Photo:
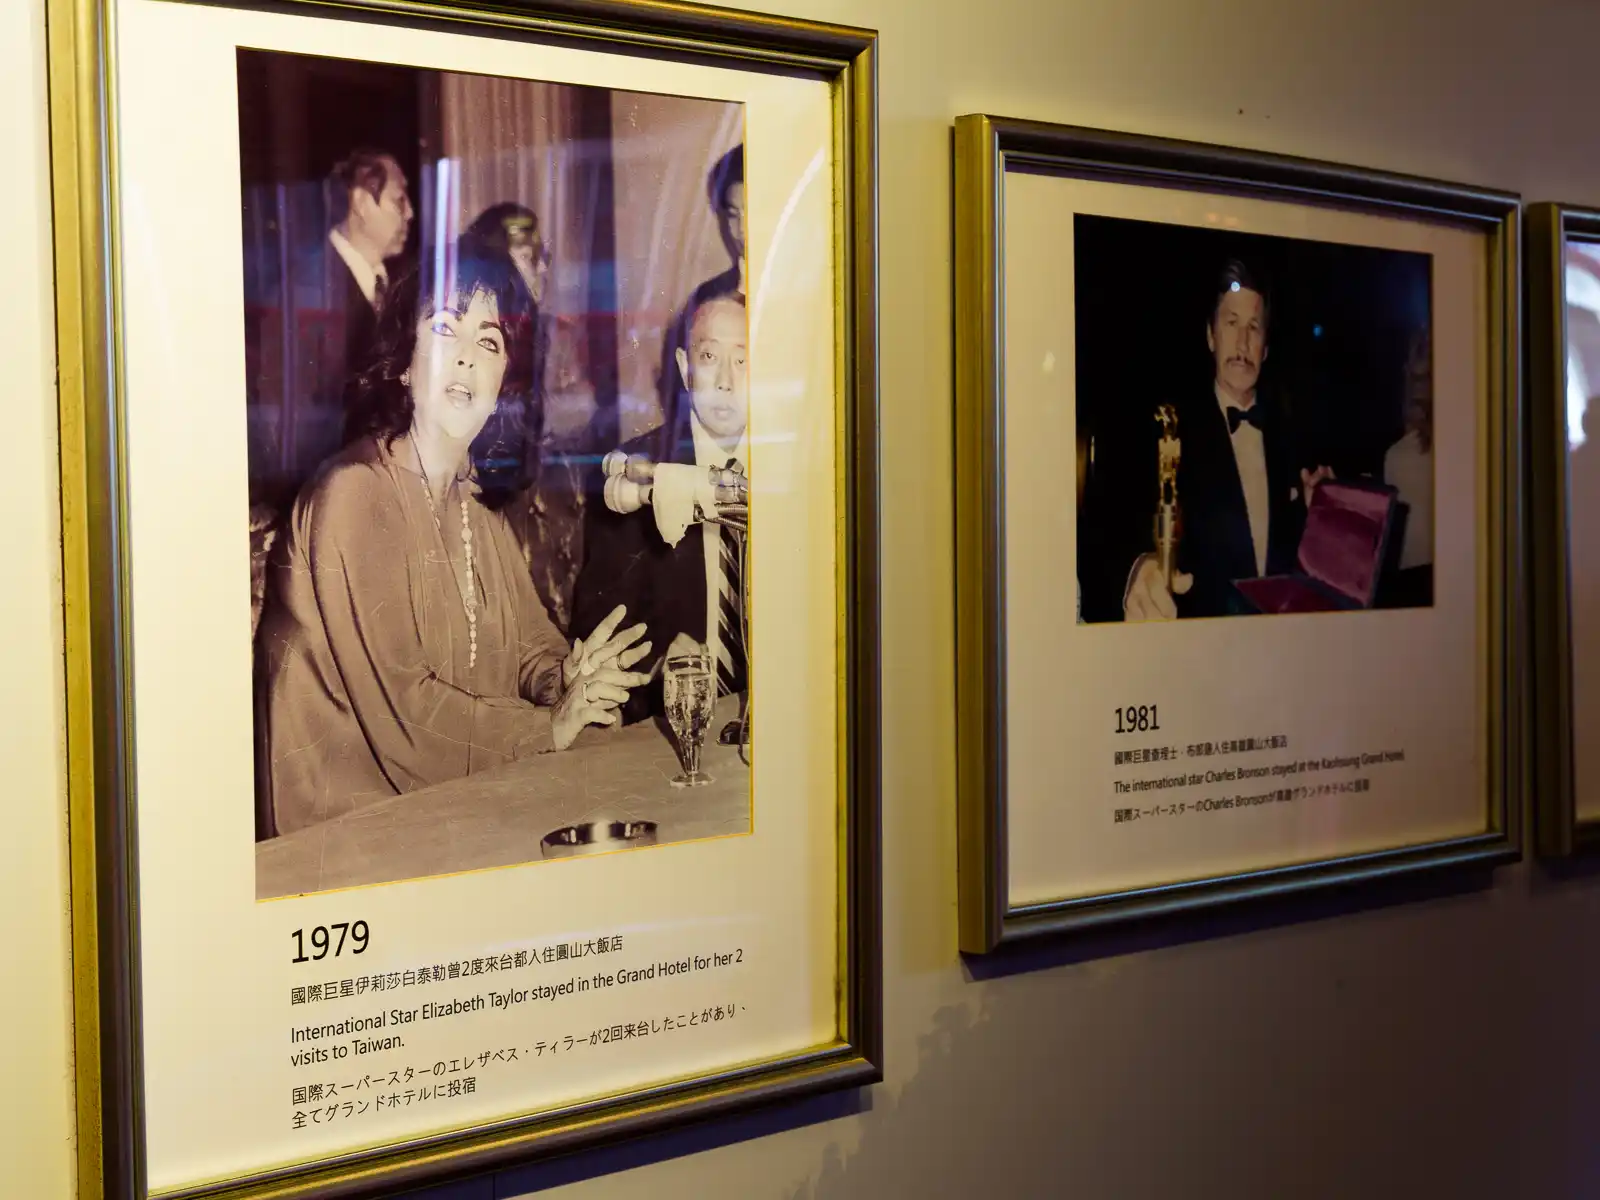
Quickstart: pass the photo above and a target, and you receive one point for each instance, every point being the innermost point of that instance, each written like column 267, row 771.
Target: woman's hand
column 605, row 647
column 593, row 700
column 595, row 678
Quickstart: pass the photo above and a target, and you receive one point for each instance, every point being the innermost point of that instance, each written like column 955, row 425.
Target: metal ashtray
column 597, row 837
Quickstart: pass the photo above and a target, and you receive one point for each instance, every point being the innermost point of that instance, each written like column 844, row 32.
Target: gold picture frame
column 986, row 149
column 97, row 552
column 1553, row 230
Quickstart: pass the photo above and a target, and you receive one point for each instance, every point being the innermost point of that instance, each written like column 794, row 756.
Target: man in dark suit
column 328, row 311
column 1243, row 502
column 330, row 305
column 725, row 193
column 689, row 596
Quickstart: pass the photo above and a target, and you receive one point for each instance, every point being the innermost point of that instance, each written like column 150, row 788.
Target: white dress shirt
column 1408, row 468
column 708, row 454
column 1250, row 457
column 366, row 275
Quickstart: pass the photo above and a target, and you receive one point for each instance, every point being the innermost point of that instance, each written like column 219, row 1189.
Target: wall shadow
column 651, row 1149
column 1184, row 928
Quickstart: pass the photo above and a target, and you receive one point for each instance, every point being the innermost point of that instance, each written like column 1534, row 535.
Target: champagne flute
column 690, row 690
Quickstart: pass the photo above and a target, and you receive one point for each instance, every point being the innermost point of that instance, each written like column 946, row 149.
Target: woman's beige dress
column 364, row 688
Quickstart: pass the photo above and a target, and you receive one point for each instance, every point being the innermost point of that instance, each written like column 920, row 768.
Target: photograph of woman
column 402, row 642
column 452, row 284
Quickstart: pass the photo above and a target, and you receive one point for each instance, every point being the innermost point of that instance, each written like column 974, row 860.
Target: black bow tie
column 1237, row 415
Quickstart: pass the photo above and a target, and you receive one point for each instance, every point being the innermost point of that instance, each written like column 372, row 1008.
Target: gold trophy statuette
column 1168, row 451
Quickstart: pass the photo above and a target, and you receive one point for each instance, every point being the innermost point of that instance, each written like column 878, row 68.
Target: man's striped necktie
column 730, row 607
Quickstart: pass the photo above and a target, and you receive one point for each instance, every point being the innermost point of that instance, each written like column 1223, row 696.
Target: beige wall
column 1443, row 1047
column 36, row 1145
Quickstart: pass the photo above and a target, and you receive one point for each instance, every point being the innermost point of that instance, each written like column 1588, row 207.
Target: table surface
column 498, row 818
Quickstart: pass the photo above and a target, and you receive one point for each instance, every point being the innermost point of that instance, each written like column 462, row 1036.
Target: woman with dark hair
column 508, row 452
column 402, row 642
column 539, row 492
column 511, row 232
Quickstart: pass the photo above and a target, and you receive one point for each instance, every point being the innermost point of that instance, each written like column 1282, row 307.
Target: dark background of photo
column 1340, row 322
column 300, row 114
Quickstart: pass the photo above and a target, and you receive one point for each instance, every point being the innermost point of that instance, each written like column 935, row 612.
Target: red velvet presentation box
column 1341, row 555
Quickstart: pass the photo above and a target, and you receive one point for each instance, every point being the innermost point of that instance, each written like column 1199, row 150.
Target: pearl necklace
column 469, row 594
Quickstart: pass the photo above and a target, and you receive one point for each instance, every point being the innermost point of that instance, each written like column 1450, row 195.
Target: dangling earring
column 405, row 377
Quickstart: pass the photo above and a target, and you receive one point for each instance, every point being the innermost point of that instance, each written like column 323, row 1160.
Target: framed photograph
column 1564, row 378
column 471, row 543
column 1256, row 634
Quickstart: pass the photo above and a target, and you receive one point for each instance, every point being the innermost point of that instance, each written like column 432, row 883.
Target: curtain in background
column 532, row 144
column 515, row 140
column 667, row 237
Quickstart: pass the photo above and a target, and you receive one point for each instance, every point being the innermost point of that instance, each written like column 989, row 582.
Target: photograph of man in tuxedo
column 1243, row 500
column 1308, row 368
column 688, row 596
